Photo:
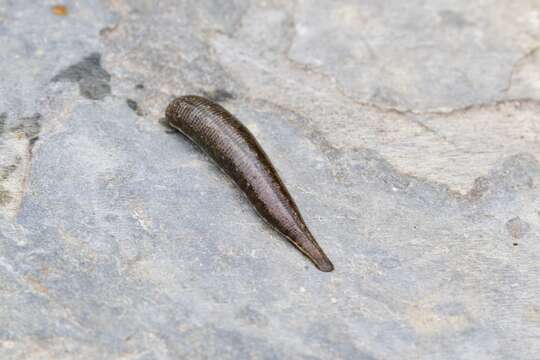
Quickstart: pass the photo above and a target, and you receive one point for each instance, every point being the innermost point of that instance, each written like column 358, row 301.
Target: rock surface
column 407, row 131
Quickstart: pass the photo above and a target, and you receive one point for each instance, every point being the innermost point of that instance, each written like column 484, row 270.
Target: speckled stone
column 408, row 133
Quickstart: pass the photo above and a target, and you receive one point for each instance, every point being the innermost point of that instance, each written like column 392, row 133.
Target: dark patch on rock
column 252, row 317
column 390, row 263
column 3, row 117
column 453, row 18
column 5, row 196
column 219, row 95
column 33, row 141
column 93, row 80
column 94, row 89
column 108, row 30
column 517, row 228
column 133, row 105
column 517, row 173
column 520, row 171
column 6, row 171
column 30, row 126
column 480, row 187
column 139, row 86
column 111, row 218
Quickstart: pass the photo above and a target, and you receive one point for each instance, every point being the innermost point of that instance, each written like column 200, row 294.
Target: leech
column 236, row 151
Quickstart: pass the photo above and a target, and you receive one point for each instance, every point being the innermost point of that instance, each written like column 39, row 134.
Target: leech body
column 236, row 151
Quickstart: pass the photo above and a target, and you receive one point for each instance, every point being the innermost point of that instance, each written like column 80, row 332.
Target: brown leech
column 232, row 146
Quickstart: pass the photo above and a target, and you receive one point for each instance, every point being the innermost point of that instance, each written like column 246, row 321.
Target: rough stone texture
column 408, row 132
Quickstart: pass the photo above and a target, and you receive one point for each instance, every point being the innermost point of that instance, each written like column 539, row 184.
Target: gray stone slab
column 408, row 133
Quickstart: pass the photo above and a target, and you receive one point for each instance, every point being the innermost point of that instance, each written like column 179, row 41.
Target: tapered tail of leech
column 307, row 244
